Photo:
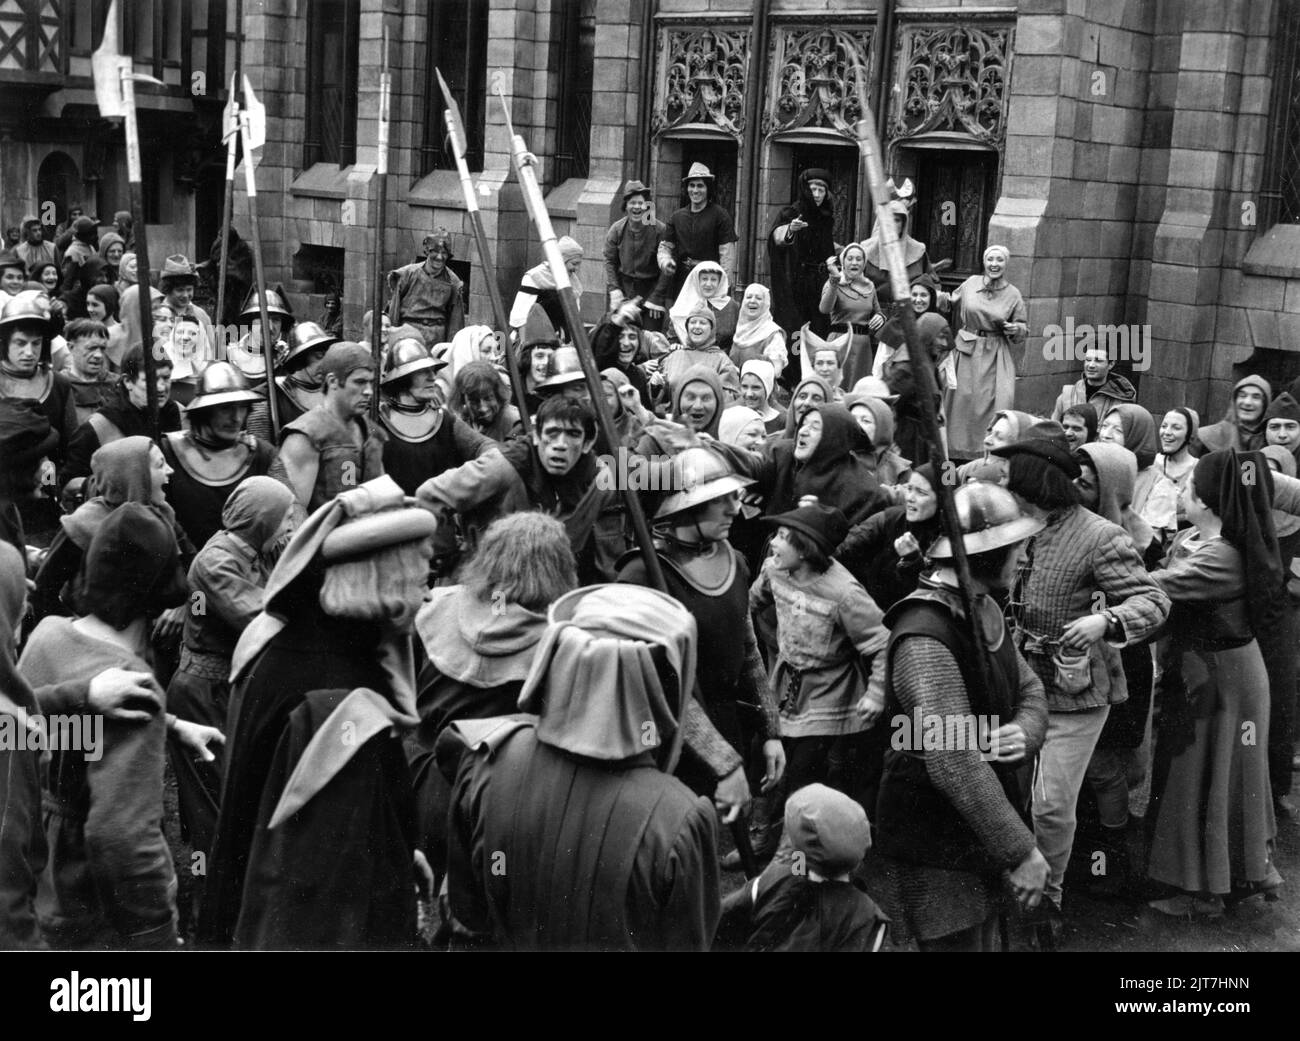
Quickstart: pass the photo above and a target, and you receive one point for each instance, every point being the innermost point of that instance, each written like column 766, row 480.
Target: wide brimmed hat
column 222, row 384
column 405, row 358
column 989, row 517
column 698, row 476
column 632, row 188
column 177, row 268
column 565, row 369
column 305, row 338
column 825, row 525
column 1045, row 439
column 367, row 535
column 698, row 172
column 30, row 307
column 275, row 305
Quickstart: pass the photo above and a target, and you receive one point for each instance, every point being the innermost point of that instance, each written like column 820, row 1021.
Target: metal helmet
column 304, row 338
column 990, row 518
column 406, row 357
column 30, row 307
column 222, row 384
column 275, row 305
column 565, row 369
column 698, row 476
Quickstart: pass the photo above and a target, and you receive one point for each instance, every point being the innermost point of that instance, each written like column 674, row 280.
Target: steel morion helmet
column 222, row 384
column 303, row 339
column 405, row 358
column 990, row 518
column 565, row 369
column 698, row 476
column 30, row 307
column 275, row 305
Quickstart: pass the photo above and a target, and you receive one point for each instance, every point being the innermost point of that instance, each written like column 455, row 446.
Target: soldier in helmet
column 298, row 388
column 953, row 823
column 711, row 580
column 216, row 453
column 25, row 369
column 247, row 355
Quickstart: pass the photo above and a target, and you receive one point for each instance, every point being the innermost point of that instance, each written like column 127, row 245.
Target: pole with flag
column 252, row 135
column 459, row 146
column 115, row 79
column 381, row 226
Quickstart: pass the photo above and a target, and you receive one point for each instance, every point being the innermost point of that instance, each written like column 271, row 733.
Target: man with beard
column 556, row 472
column 566, row 830
column 316, row 840
column 226, row 581
column 298, row 390
column 127, row 416
column 332, row 448
column 427, row 294
column 25, row 370
column 216, row 453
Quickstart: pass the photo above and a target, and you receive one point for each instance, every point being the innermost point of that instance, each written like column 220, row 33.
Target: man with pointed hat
column 700, row 230
column 567, row 831
column 333, row 448
column 428, row 294
column 315, row 840
column 632, row 265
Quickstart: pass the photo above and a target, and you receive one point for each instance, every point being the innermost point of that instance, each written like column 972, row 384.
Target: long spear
column 230, row 128
column 524, row 161
column 922, row 371
column 249, row 141
column 381, row 225
column 459, row 146
column 115, row 79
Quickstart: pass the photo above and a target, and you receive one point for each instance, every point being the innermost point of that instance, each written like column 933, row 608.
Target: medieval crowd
column 388, row 634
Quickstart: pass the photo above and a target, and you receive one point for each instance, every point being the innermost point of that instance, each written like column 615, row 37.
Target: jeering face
column 484, row 408
column 920, row 502
column 995, row 265
column 160, row 473
column 697, row 406
column 698, row 330
column 637, row 206
column 12, row 281
column 560, row 444
column 539, row 362
column 1076, row 431
column 753, row 302
column 629, row 342
column 809, row 436
column 920, row 299
column 1250, row 404
column 854, row 262
column 1111, row 431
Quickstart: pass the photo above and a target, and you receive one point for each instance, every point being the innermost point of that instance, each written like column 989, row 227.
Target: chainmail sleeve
column 756, row 687
column 926, row 679
column 699, row 733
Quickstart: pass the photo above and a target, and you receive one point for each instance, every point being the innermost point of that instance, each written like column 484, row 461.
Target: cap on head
column 344, row 358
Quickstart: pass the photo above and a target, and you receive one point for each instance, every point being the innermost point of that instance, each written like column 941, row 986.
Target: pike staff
column 381, row 223
column 459, row 146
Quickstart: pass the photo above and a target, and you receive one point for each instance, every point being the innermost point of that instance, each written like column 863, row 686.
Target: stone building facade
column 1136, row 156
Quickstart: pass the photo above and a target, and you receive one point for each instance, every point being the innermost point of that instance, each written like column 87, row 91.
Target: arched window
column 457, row 45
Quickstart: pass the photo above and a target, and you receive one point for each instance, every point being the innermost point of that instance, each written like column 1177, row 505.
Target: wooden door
column 955, row 199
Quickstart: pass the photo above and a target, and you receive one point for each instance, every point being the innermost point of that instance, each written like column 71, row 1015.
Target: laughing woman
column 990, row 316
column 1158, row 494
column 849, row 297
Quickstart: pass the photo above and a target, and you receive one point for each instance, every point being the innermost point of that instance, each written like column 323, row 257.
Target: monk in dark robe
column 315, row 840
column 567, row 831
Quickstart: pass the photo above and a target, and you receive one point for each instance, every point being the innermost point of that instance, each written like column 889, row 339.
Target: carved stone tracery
column 953, row 79
column 818, row 76
column 701, row 78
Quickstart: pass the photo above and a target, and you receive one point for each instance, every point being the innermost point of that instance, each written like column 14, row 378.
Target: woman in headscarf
column 1215, row 826
column 624, row 407
column 1158, row 493
column 1242, row 427
column 470, row 344
column 801, row 239
column 1133, row 427
column 1007, row 427
column 537, row 286
column 757, row 384
column 111, row 248
column 808, row 393
column 699, row 347
column 886, row 552
column 990, row 316
column 1119, row 762
column 877, row 421
column 706, row 287
column 757, row 334
column 849, row 297
column 741, row 426
column 227, row 578
column 132, row 469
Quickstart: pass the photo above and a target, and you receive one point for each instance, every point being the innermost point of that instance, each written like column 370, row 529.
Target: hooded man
column 428, row 294
column 1242, row 427
column 567, row 832
column 332, row 448
column 1099, row 387
column 227, row 579
column 317, row 809
column 700, row 348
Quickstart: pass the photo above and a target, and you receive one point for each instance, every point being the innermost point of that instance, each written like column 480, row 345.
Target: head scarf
column 1020, row 422
column 752, row 334
column 706, row 375
column 765, row 372
column 708, row 315
column 1263, row 385
column 108, row 239
column 839, row 471
column 994, row 250
column 734, row 420
column 132, row 567
column 881, row 413
column 690, row 299
column 807, row 208
column 1238, row 487
column 791, row 419
column 120, row 472
column 1193, row 424
column 1139, row 433
column 472, row 343
column 862, row 278
column 1116, row 469
column 256, row 509
column 612, row 674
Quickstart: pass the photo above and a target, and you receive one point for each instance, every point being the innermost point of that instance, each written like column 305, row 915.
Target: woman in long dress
column 990, row 316
column 849, row 297
column 1215, row 825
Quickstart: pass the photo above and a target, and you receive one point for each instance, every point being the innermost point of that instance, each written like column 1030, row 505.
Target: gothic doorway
column 841, row 162
column 956, row 194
